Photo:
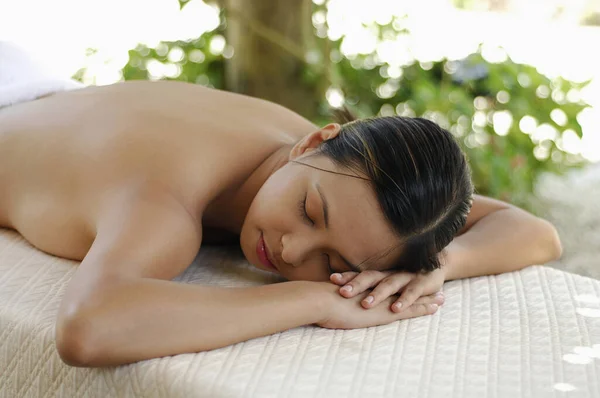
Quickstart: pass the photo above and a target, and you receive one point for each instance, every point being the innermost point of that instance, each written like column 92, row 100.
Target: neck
column 229, row 210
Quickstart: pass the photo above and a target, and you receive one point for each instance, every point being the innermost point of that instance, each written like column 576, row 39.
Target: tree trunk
column 269, row 38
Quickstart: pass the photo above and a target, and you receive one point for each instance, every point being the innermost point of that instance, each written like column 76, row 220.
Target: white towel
column 23, row 79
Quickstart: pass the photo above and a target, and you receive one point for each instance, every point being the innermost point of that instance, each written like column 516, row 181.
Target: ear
column 314, row 139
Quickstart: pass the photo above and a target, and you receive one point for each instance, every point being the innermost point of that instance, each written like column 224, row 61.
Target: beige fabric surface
column 533, row 333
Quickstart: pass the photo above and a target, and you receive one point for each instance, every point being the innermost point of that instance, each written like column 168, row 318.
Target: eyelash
column 304, row 216
column 303, row 213
column 331, row 271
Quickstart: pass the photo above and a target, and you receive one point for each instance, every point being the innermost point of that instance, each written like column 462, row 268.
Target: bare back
column 66, row 159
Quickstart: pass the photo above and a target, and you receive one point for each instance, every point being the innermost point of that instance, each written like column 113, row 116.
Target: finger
column 343, row 278
column 437, row 298
column 417, row 310
column 381, row 315
column 388, row 286
column 409, row 294
column 362, row 282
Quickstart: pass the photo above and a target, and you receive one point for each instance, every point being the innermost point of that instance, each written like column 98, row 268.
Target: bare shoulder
column 229, row 107
column 144, row 232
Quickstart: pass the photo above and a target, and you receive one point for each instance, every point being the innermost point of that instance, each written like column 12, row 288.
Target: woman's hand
column 388, row 283
column 347, row 313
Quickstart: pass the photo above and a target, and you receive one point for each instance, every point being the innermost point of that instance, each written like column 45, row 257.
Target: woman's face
column 314, row 223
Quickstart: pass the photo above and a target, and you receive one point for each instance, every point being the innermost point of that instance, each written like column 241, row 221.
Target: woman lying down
column 131, row 179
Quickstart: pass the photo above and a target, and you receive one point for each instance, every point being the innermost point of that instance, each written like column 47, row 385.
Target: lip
column 263, row 254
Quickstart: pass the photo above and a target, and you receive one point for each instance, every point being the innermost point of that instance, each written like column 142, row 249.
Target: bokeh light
column 335, row 97
column 112, row 27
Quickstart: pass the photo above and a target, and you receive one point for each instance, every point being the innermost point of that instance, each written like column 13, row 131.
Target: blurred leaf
column 504, row 167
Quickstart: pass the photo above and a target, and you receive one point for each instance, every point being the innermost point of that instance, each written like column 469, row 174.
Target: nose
column 296, row 248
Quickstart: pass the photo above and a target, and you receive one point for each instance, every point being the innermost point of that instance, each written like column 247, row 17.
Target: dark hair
column 420, row 175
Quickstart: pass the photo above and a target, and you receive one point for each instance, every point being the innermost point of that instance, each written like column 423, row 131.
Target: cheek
column 275, row 200
column 280, row 183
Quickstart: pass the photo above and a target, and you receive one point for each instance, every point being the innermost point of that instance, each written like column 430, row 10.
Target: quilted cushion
column 532, row 333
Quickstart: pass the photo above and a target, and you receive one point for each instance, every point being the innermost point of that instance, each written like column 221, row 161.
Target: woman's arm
column 498, row 238
column 121, row 306
column 146, row 318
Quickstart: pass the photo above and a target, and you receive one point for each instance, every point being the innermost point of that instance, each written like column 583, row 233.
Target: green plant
column 511, row 120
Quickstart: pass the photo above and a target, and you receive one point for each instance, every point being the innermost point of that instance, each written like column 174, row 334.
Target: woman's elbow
column 74, row 341
column 551, row 246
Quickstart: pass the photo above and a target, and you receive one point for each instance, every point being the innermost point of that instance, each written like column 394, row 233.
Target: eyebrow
column 353, row 267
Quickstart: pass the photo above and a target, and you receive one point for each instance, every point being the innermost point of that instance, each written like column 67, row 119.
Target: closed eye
column 302, row 211
column 328, row 263
column 304, row 215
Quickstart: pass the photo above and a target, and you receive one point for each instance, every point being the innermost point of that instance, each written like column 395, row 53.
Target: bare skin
column 66, row 167
column 131, row 178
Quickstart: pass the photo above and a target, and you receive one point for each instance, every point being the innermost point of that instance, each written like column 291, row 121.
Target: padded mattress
column 532, row 333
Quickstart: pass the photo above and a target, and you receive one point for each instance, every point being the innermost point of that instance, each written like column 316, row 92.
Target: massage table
column 531, row 333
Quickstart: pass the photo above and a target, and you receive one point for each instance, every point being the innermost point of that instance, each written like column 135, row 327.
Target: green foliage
column 486, row 105
column 182, row 3
column 197, row 64
column 504, row 166
column 187, row 61
column 473, row 98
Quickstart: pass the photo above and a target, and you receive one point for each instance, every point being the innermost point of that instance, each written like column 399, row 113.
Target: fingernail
column 439, row 295
column 434, row 306
column 397, row 306
column 336, row 276
column 347, row 288
column 369, row 300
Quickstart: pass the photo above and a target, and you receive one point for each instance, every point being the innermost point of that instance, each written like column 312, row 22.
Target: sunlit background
column 532, row 55
column 556, row 36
